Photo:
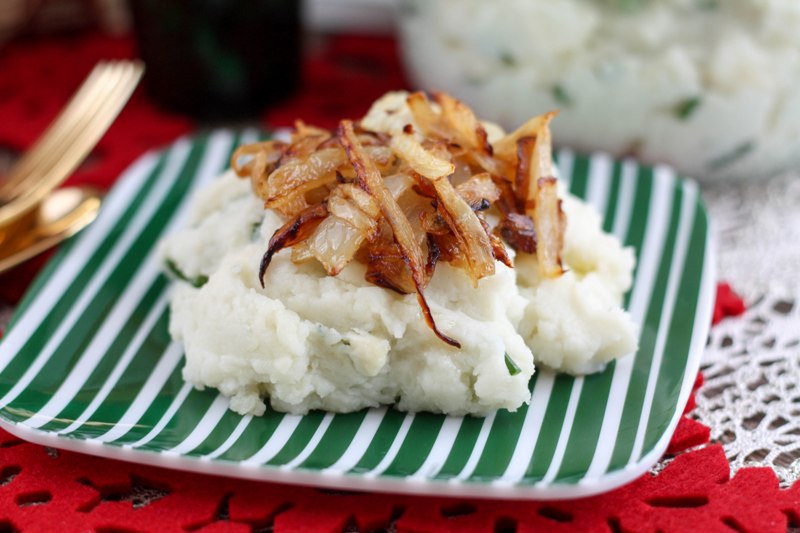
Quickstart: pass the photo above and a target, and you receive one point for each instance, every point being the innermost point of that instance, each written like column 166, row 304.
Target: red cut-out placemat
column 728, row 303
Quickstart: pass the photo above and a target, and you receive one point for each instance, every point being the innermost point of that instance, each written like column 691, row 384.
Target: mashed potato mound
column 574, row 323
column 307, row 340
column 313, row 341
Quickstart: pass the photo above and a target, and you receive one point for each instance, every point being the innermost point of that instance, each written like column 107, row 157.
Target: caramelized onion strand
column 295, row 230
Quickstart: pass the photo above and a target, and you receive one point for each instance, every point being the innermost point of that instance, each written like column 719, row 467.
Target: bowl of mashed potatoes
column 707, row 86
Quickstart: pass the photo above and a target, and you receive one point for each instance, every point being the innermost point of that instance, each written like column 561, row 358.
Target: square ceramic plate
column 87, row 363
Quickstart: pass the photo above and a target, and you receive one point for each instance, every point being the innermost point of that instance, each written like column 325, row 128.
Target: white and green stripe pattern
column 87, row 363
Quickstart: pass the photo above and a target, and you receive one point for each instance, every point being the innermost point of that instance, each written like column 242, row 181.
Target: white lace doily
column 751, row 397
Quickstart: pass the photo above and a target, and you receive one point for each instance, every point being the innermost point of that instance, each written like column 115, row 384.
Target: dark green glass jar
column 219, row 59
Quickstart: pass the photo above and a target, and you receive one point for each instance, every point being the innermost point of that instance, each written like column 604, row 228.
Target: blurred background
column 711, row 87
column 706, row 85
column 221, row 60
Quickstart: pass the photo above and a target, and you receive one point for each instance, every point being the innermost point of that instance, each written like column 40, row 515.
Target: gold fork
column 68, row 141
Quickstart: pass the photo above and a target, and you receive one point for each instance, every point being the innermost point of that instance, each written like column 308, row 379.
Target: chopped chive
column 198, row 282
column 408, row 8
column 630, row 5
column 707, row 5
column 512, row 367
column 686, row 107
column 731, row 157
column 561, row 95
column 507, row 59
column 254, row 230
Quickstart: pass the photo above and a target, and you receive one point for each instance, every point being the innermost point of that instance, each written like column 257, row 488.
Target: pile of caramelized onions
column 402, row 203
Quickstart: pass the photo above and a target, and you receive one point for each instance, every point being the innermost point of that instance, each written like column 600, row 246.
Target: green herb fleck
column 629, row 6
column 685, row 108
column 623, row 5
column 561, row 96
column 408, row 8
column 507, row 59
column 707, row 5
column 199, row 281
column 255, row 230
column 731, row 157
column 475, row 81
column 512, row 367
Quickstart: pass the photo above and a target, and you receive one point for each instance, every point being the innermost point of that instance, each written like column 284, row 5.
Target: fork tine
column 85, row 93
column 84, row 133
column 60, row 134
column 64, row 131
column 69, row 140
column 73, row 132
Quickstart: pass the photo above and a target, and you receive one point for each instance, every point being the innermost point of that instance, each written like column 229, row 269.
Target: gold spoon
column 62, row 214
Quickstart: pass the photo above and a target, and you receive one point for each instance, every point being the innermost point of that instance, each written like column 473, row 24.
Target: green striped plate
column 87, row 363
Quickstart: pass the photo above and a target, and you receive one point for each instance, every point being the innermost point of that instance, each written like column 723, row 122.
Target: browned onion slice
column 466, row 130
column 499, row 250
column 464, row 125
column 549, row 221
column 386, row 267
column 524, row 190
column 425, row 117
column 370, row 179
column 346, row 202
column 260, row 159
column 465, row 224
column 419, row 159
column 300, row 175
column 518, row 231
column 449, row 250
column 293, row 231
column 506, row 147
column 334, row 243
column 479, row 191
column 353, row 220
column 304, row 143
column 303, row 130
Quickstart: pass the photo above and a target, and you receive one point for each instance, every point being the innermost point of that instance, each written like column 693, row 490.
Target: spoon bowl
column 62, row 214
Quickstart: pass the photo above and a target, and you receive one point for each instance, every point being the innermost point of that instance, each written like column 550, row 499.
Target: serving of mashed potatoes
column 707, row 86
column 308, row 340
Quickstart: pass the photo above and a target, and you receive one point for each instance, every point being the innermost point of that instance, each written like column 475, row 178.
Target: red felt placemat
column 47, row 490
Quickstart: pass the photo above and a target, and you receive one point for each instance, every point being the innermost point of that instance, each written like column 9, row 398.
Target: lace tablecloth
column 749, row 399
